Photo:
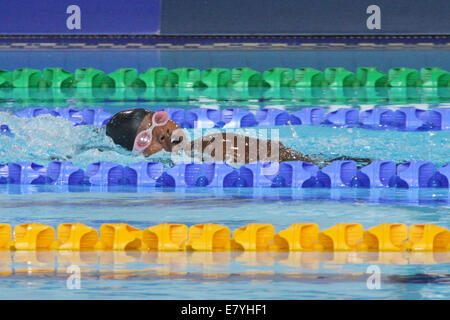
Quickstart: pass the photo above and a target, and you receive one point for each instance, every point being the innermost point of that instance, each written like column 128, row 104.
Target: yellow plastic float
column 348, row 237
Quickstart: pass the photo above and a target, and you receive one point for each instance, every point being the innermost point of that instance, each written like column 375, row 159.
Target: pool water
column 202, row 275
column 222, row 275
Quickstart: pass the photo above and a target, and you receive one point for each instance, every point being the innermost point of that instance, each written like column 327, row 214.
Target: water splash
column 46, row 138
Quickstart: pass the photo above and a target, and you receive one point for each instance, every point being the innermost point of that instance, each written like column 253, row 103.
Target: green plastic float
column 245, row 77
column 92, row 78
column 340, row 77
column 404, row 77
column 58, row 78
column 155, row 77
column 278, row 77
column 216, row 77
column 26, row 78
column 184, row 78
column 434, row 77
column 371, row 77
column 127, row 78
column 365, row 77
column 308, row 77
column 5, row 79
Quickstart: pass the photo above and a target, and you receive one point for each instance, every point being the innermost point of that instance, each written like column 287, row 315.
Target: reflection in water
column 135, row 263
column 124, row 196
column 317, row 271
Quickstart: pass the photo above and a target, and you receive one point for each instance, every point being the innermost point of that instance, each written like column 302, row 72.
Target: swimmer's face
column 169, row 137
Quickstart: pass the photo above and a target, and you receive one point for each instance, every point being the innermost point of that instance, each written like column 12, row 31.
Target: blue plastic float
column 412, row 119
column 414, row 174
column 143, row 173
column 308, row 116
column 377, row 174
column 348, row 117
column 442, row 177
column 440, row 118
column 270, row 117
column 202, row 118
column 292, row 174
column 404, row 119
column 236, row 118
column 378, row 118
column 27, row 173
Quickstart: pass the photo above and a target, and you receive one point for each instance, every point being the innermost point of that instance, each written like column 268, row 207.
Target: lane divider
column 386, row 237
column 380, row 118
column 289, row 174
column 368, row 77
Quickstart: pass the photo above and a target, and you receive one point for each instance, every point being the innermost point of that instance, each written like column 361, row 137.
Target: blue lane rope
column 403, row 119
column 292, row 174
column 295, row 174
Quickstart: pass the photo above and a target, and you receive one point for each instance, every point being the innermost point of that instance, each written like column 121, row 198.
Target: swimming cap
column 123, row 126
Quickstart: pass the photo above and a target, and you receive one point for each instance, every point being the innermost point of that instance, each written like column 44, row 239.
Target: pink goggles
column 144, row 138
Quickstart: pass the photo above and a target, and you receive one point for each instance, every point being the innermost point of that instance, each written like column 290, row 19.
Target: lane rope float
column 394, row 237
column 290, row 174
column 380, row 118
column 367, row 77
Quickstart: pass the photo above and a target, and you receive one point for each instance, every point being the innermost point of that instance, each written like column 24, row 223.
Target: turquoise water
column 206, row 275
column 201, row 275
column 226, row 276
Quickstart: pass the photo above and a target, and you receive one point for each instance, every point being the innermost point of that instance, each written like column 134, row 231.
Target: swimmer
column 147, row 132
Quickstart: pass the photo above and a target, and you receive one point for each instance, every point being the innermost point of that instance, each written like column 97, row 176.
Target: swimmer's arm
column 237, row 149
column 288, row 154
